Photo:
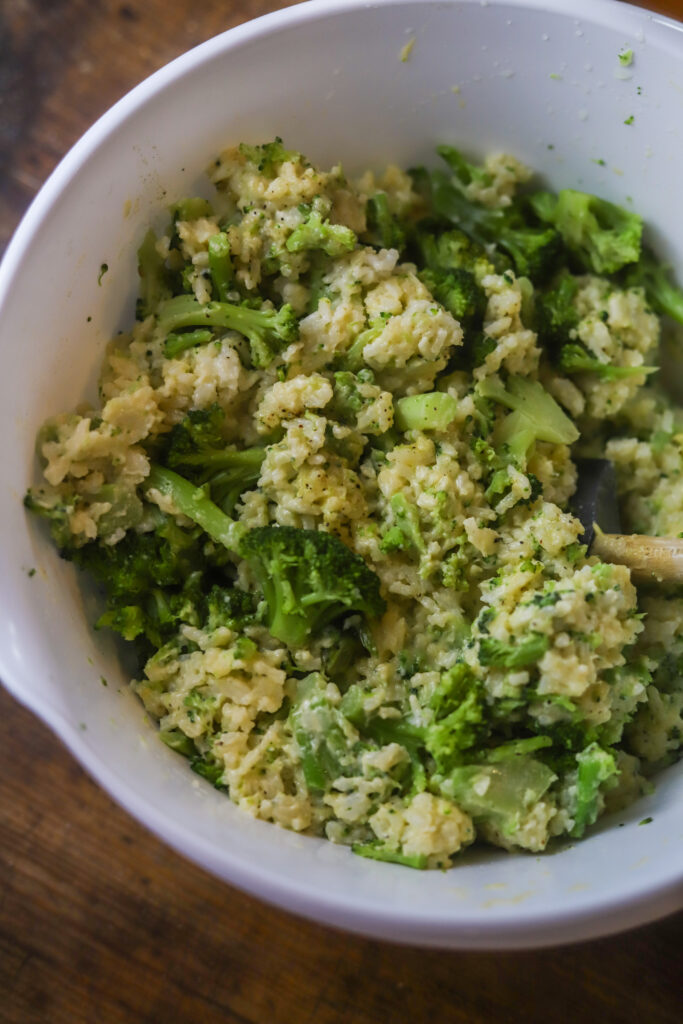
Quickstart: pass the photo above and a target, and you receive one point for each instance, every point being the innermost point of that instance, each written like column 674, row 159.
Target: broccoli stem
column 192, row 502
column 176, row 344
column 433, row 410
column 220, row 267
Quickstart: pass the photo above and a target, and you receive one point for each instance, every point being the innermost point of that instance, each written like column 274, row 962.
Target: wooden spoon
column 650, row 559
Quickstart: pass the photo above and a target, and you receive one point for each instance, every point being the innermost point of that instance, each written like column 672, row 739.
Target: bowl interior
column 329, row 78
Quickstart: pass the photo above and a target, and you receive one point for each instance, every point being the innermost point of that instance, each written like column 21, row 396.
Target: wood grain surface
column 99, row 922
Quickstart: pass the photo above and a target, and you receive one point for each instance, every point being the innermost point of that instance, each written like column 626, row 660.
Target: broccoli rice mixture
column 327, row 493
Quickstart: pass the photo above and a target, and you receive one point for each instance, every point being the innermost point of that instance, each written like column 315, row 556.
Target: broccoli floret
column 154, row 284
column 347, row 401
column 197, row 449
column 535, row 415
column 459, row 720
column 458, row 291
column 554, row 311
column 661, row 292
column 535, row 251
column 268, row 157
column 228, row 606
column 268, row 331
column 308, row 578
column 602, row 236
column 441, row 250
column 385, row 230
column 574, row 358
column 191, row 208
column 405, row 533
column 316, row 233
column 596, row 770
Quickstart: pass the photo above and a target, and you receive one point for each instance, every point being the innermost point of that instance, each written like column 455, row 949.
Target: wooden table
column 101, row 923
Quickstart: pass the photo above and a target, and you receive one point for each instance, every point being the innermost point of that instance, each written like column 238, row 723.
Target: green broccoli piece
column 376, row 850
column 535, row 415
column 384, row 230
column 316, row 233
column 653, row 277
column 602, row 236
column 154, row 283
column 458, row 292
column 308, row 578
column 518, row 655
column 535, row 251
column 177, row 343
column 191, row 208
column 596, row 769
column 433, row 410
column 554, row 311
column 228, row 606
column 268, row 331
column 575, row 358
column 347, row 400
column 500, row 794
column 405, row 533
column 268, row 157
column 196, row 448
column 460, row 721
column 220, row 266
column 353, row 357
column 322, row 734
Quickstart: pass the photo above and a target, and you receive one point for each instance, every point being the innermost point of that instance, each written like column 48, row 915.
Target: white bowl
column 328, row 77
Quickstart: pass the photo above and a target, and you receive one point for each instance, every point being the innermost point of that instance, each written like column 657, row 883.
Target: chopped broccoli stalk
column 555, row 312
column 309, row 578
column 316, row 233
column 380, row 851
column 220, row 266
column 268, row 331
column 603, row 237
column 196, row 448
column 154, row 285
column 176, row 344
column 500, row 794
column 384, row 229
column 433, row 410
column 575, row 358
column 321, row 732
column 518, row 655
column 192, row 501
column 661, row 292
column 458, row 291
column 596, row 768
column 535, row 414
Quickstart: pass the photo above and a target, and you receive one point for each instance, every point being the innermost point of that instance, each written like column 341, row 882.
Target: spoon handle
column 650, row 559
